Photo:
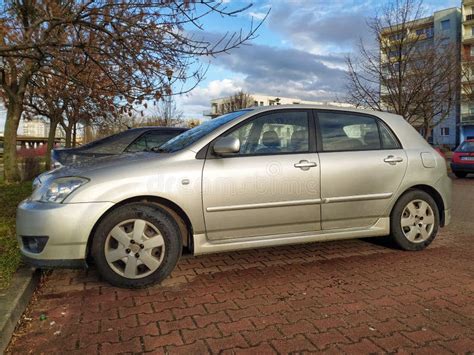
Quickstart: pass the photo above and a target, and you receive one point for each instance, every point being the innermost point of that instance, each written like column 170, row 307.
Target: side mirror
column 226, row 145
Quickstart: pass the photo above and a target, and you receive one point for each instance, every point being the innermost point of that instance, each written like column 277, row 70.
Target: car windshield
column 466, row 147
column 193, row 135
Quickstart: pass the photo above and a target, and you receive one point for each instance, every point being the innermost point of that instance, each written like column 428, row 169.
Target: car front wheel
column 414, row 221
column 136, row 245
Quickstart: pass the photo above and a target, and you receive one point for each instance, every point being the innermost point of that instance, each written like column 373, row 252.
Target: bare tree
column 236, row 102
column 138, row 45
column 168, row 112
column 407, row 70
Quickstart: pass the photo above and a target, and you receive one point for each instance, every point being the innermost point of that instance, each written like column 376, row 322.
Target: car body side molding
column 203, row 246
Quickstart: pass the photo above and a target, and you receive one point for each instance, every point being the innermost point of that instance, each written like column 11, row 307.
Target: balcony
column 469, row 18
column 468, row 39
column 468, row 2
column 467, row 119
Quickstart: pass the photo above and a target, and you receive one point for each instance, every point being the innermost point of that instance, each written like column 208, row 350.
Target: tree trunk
column 74, row 135
column 68, row 131
column 14, row 111
column 427, row 130
column 53, row 124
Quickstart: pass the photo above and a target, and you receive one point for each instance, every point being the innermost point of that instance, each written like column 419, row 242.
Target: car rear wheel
column 460, row 174
column 414, row 221
column 136, row 245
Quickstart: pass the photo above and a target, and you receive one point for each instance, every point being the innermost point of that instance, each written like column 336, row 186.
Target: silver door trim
column 381, row 196
column 250, row 206
column 315, row 201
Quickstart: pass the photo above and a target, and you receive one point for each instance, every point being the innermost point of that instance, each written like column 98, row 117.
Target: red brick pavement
column 336, row 297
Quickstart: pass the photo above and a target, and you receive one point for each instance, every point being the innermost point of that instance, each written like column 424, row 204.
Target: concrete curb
column 14, row 300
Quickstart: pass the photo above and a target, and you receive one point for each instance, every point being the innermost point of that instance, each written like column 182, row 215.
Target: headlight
column 36, row 183
column 58, row 189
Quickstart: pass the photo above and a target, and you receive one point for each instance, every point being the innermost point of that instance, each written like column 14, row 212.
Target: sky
column 299, row 51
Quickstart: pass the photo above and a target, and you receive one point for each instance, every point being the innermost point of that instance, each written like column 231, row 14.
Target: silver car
column 259, row 177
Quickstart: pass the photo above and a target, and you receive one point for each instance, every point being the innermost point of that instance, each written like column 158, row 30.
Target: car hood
column 116, row 164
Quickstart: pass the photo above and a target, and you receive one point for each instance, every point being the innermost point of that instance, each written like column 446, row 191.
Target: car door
column 362, row 166
column 271, row 186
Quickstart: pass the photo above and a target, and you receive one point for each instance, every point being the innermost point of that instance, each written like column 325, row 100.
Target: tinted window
column 342, row 132
column 275, row 133
column 114, row 144
column 152, row 139
column 388, row 139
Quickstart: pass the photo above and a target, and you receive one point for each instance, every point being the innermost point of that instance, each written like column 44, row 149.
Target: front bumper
column 66, row 226
column 467, row 168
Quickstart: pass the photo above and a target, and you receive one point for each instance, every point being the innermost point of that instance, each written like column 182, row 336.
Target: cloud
column 198, row 101
column 322, row 26
column 271, row 70
column 257, row 15
column 286, row 72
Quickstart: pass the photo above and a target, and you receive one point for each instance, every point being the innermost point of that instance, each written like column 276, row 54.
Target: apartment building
column 218, row 106
column 467, row 79
column 35, row 128
column 443, row 28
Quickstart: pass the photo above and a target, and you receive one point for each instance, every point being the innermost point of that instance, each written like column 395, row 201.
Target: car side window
column 347, row 132
column 139, row 145
column 155, row 139
column 388, row 139
column 150, row 140
column 274, row 133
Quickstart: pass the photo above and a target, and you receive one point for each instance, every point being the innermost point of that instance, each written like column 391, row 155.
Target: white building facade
column 217, row 105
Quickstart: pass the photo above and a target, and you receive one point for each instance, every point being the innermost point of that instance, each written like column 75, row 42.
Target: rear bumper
column 467, row 168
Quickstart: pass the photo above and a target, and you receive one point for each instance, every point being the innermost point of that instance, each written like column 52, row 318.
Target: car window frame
column 378, row 122
column 312, row 137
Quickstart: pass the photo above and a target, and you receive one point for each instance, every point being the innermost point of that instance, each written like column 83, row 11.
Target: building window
column 419, row 32
column 445, row 25
column 429, row 32
column 471, row 51
column 472, row 30
column 261, row 103
column 445, row 131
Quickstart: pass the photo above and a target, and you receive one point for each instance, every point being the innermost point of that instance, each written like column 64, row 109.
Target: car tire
column 414, row 220
column 460, row 174
column 136, row 245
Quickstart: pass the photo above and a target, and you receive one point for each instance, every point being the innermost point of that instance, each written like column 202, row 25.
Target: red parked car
column 462, row 162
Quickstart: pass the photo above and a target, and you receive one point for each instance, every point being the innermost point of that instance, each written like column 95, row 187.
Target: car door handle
column 305, row 165
column 392, row 160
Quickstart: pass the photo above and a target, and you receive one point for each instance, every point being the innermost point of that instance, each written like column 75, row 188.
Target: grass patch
column 10, row 197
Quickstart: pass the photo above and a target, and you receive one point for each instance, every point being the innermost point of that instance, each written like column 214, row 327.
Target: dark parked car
column 130, row 141
column 462, row 162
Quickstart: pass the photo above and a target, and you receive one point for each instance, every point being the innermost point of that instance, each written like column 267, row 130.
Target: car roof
column 310, row 106
column 158, row 128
